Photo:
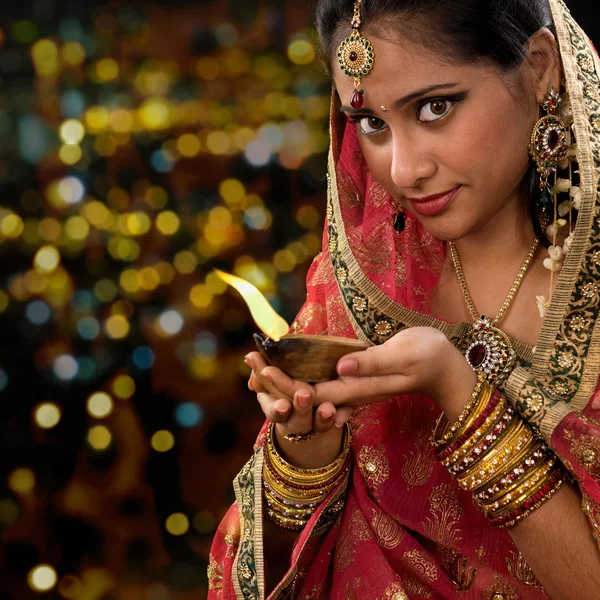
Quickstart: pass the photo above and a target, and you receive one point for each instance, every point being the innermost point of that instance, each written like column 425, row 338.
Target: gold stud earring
column 356, row 57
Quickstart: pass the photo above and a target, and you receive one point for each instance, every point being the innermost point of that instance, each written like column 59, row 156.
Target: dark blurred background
column 142, row 145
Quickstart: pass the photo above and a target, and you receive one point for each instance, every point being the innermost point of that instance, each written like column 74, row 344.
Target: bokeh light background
column 142, row 145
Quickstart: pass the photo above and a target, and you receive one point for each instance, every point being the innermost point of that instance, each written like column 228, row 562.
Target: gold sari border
column 248, row 571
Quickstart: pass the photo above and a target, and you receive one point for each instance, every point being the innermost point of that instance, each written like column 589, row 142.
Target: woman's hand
column 290, row 404
column 416, row 360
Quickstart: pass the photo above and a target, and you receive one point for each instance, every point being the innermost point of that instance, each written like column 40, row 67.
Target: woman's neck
column 505, row 239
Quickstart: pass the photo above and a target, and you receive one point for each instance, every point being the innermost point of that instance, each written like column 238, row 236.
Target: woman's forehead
column 407, row 66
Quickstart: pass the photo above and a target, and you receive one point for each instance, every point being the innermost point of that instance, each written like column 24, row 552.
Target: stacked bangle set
column 292, row 494
column 495, row 455
column 489, row 449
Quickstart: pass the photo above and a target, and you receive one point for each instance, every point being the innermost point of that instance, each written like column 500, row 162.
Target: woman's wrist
column 319, row 451
column 292, row 494
column 454, row 388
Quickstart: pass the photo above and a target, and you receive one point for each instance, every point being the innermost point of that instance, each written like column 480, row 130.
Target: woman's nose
column 410, row 164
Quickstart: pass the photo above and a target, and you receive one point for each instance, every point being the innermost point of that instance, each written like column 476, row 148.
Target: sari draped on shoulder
column 407, row 529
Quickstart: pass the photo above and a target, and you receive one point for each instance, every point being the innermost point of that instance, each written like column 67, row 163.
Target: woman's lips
column 434, row 205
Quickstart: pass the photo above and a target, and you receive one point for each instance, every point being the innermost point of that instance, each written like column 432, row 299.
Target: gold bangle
column 296, row 494
column 519, row 489
column 441, row 435
column 517, row 502
column 300, row 476
column 482, row 474
column 559, row 483
column 538, row 448
column 487, row 426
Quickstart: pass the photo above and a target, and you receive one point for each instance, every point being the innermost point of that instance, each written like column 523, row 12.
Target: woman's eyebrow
column 404, row 100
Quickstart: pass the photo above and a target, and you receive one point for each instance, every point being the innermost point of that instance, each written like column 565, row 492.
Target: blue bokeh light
column 189, row 414
column 143, row 357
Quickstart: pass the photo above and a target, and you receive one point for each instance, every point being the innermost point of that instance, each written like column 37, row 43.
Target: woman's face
column 457, row 130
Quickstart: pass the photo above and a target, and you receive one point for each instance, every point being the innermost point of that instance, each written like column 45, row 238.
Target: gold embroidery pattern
column 362, row 419
column 374, row 466
column 215, row 576
column 592, row 510
column 231, row 541
column 319, row 592
column 446, row 510
column 415, row 588
column 586, row 448
column 247, row 576
column 357, row 531
column 323, row 273
column 336, row 315
column 564, row 377
column 418, row 464
column 395, row 591
column 520, row 571
column 499, row 591
column 309, row 313
column 389, row 533
column 422, row 564
column 458, row 569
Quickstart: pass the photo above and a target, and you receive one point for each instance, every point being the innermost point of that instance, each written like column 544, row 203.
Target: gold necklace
column 487, row 348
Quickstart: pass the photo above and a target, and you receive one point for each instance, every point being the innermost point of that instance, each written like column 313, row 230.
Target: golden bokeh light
column 100, row 405
column 167, row 222
column 21, row 481
column 177, row 524
column 99, row 437
column 47, row 415
column 117, row 327
column 162, row 441
column 42, row 578
column 71, row 131
column 123, row 387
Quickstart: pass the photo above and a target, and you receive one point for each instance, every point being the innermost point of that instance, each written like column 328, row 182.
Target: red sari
column 408, row 530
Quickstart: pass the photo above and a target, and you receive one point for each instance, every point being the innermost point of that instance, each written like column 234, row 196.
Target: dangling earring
column 548, row 145
column 400, row 220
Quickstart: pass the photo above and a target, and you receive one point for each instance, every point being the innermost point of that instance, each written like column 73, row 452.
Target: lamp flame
column 265, row 317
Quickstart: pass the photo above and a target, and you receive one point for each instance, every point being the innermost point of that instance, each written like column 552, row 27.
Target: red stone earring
column 356, row 57
column 549, row 144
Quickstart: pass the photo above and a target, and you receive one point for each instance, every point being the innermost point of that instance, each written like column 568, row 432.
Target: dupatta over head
column 407, row 530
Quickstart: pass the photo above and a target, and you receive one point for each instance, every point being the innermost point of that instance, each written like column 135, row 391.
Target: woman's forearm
column 557, row 543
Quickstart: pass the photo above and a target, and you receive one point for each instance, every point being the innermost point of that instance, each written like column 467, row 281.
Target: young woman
column 459, row 456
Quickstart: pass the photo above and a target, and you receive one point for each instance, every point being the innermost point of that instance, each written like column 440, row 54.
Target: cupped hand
column 290, row 402
column 416, row 360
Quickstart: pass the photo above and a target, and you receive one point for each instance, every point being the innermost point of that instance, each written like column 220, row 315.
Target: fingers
column 261, row 381
column 352, row 391
column 301, row 419
column 274, row 380
column 376, row 360
column 324, row 418
column 342, row 415
column 275, row 409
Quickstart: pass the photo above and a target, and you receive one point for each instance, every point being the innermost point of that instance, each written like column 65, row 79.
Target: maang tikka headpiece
column 356, row 57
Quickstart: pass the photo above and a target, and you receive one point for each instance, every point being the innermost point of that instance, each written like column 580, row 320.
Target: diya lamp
column 310, row 358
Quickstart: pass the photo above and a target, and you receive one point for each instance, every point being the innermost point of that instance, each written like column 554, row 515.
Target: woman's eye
column 434, row 110
column 369, row 124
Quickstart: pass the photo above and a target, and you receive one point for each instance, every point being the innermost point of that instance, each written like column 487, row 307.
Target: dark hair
column 496, row 31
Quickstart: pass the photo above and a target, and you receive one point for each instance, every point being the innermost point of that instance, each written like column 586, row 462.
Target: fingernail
column 326, row 415
column 339, row 424
column 303, row 399
column 249, row 361
column 347, row 367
